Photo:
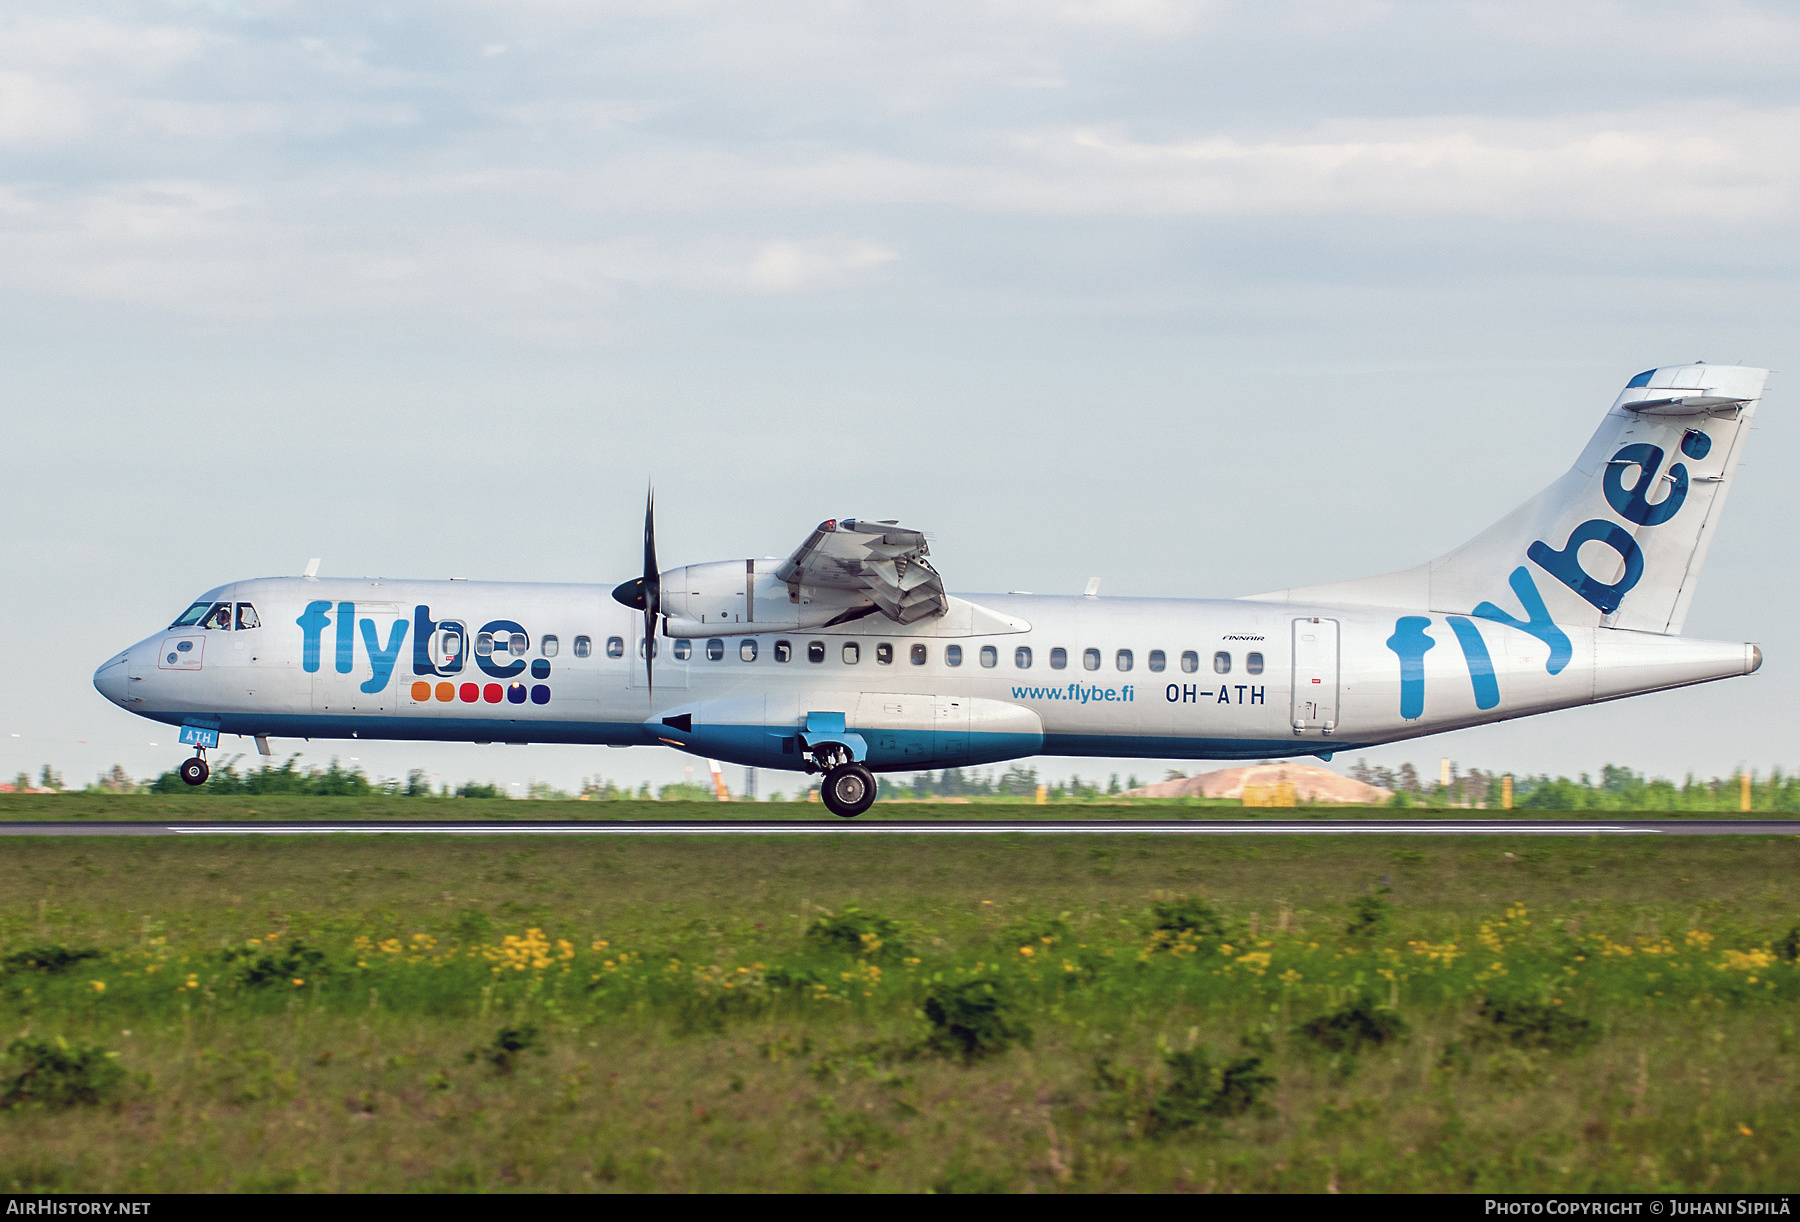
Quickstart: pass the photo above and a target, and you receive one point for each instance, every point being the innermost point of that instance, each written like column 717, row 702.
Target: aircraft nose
column 114, row 677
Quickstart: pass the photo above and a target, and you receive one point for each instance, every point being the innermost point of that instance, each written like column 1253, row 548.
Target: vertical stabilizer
column 1619, row 540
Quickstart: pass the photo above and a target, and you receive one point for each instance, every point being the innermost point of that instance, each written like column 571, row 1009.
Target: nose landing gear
column 195, row 771
column 848, row 790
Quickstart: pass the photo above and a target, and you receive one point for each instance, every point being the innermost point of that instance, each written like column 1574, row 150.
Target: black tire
column 848, row 790
column 195, row 771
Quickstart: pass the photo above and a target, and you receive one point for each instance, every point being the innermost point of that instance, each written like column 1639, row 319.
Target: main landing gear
column 195, row 771
column 848, row 790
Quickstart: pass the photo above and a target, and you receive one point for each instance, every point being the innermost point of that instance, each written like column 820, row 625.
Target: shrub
column 1790, row 945
column 1370, row 917
column 47, row 958
column 1039, row 935
column 1534, row 1024
column 1355, row 1025
column 1194, row 1091
column 51, row 1073
column 508, row 1043
column 856, row 932
column 975, row 1018
column 255, row 967
column 1187, row 914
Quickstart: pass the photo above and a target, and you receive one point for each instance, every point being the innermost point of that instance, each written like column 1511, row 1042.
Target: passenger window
column 1190, row 661
column 615, row 646
column 584, row 646
column 815, row 651
column 1123, row 659
column 548, row 646
column 484, row 644
column 952, row 655
column 655, row 648
column 715, row 649
column 1158, row 660
column 747, row 651
column 1022, row 657
column 918, row 655
column 447, row 645
column 190, row 617
column 219, row 618
column 1221, row 663
column 247, row 618
column 684, row 649
column 884, row 654
column 852, row 653
column 990, row 657
column 1253, row 663
column 1090, row 659
column 1059, row 658
column 517, row 644
column 784, row 652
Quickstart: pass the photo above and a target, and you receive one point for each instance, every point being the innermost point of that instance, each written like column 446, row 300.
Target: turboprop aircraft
column 849, row 658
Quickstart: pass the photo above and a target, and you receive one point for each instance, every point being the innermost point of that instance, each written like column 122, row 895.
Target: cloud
column 1725, row 164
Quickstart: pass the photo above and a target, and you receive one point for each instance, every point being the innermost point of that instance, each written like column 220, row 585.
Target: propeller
column 645, row 593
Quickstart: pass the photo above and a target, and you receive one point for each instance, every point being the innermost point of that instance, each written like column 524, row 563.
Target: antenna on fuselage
column 311, row 572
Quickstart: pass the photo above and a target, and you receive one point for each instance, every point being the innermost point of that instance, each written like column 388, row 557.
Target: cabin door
column 1315, row 675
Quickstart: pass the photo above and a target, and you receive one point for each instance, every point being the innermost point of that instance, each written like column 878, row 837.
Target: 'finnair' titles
column 850, row 658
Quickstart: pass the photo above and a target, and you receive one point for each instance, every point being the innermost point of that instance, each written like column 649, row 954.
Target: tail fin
column 1618, row 541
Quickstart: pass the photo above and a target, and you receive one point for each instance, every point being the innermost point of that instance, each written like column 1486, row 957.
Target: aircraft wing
column 879, row 562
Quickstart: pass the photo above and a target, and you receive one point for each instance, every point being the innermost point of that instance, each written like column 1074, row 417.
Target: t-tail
column 1618, row 541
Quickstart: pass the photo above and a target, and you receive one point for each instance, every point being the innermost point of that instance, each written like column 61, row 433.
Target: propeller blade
column 645, row 593
column 652, row 591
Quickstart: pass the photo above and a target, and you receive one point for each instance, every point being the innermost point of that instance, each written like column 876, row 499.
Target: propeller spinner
column 645, row 593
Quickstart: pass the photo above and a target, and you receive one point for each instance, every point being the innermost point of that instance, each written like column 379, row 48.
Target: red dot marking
column 470, row 693
column 493, row 694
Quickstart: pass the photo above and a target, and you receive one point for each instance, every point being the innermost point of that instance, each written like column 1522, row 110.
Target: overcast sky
column 1203, row 298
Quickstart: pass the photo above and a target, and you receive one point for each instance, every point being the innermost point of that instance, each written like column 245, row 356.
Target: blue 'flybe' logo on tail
column 1410, row 641
column 1634, row 505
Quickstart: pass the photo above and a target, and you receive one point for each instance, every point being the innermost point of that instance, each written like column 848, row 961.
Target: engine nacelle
column 741, row 596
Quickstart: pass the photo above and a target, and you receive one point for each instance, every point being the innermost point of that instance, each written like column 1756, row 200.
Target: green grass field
column 897, row 1013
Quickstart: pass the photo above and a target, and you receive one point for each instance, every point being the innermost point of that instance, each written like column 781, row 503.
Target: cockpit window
column 192, row 615
column 218, row 618
column 247, row 617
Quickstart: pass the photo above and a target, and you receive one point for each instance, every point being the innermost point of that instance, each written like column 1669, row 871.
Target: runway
column 946, row 827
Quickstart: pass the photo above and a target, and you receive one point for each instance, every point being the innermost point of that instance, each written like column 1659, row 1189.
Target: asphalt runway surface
column 945, row 827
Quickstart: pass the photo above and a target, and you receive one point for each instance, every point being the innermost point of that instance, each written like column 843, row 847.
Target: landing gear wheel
column 848, row 790
column 195, row 771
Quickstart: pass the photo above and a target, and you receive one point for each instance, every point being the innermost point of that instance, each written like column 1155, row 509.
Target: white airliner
column 849, row 658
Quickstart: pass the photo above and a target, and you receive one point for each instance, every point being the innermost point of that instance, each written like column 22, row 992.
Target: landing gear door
column 1315, row 676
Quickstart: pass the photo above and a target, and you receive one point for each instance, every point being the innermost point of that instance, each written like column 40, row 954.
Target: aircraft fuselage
column 999, row 677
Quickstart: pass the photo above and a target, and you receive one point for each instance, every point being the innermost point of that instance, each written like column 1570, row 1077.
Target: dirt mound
column 1311, row 784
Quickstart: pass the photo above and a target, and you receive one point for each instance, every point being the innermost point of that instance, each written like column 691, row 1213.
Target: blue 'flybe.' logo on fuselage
column 382, row 655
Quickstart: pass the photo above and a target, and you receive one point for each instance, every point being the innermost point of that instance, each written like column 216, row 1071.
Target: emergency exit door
column 1315, row 675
